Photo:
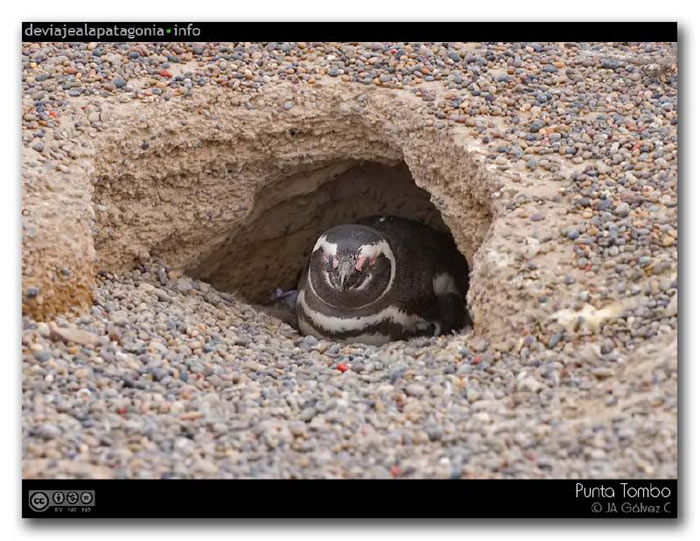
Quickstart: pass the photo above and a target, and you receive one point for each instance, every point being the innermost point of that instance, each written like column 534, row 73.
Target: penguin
column 381, row 279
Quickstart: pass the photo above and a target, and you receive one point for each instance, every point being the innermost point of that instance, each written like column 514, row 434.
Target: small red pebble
column 165, row 73
column 342, row 367
column 395, row 471
column 121, row 411
column 53, row 114
column 476, row 360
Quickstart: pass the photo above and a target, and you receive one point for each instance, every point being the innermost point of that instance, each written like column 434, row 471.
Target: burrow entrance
column 271, row 247
column 234, row 193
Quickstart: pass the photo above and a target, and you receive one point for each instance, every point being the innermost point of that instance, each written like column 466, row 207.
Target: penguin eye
column 331, row 262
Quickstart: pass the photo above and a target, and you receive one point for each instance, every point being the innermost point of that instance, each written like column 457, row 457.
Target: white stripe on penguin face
column 329, row 247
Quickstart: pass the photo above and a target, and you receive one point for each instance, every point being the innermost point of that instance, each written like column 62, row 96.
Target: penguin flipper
column 452, row 312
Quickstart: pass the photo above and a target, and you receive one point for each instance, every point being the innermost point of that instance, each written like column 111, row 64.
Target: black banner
column 349, row 498
column 354, row 32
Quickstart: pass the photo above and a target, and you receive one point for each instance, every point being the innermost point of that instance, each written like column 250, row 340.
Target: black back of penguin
column 424, row 256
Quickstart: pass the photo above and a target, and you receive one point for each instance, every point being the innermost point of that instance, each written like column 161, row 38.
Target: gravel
column 202, row 385
column 165, row 377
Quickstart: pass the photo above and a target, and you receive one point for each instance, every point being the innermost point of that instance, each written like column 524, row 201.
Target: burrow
column 233, row 189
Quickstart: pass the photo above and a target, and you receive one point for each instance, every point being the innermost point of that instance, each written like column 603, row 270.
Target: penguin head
column 351, row 266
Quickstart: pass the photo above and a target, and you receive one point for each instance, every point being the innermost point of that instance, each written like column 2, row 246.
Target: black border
column 250, row 498
column 384, row 31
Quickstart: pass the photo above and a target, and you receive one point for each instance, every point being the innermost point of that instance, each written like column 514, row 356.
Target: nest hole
column 238, row 202
column 269, row 250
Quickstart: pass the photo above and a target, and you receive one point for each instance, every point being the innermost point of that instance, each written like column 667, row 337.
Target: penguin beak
column 344, row 272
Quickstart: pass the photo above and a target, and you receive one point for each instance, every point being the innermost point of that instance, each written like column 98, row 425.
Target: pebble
column 48, row 432
column 310, row 341
column 622, row 210
column 603, row 372
column 481, row 345
column 183, row 285
column 307, row 414
column 554, row 340
column 78, row 336
column 415, row 390
column 529, row 384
